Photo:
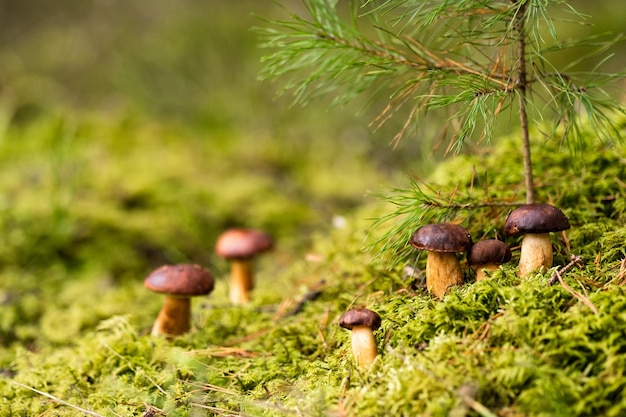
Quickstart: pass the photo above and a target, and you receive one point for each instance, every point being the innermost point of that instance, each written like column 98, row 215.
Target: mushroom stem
column 536, row 253
column 484, row 271
column 174, row 317
column 442, row 272
column 241, row 281
column 363, row 346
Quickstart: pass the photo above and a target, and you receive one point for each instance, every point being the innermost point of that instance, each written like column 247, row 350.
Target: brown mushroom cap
column 360, row 317
column 242, row 243
column 489, row 251
column 535, row 218
column 181, row 280
column 442, row 237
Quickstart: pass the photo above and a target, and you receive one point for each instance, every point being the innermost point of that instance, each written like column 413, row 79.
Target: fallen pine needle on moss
column 60, row 401
column 467, row 396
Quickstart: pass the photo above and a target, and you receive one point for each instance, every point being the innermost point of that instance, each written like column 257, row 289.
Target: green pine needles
column 468, row 61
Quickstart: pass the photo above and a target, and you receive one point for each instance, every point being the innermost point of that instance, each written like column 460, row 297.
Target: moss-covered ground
column 176, row 140
column 80, row 233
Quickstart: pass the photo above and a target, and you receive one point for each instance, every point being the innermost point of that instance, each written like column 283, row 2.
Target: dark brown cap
column 360, row 317
column 442, row 237
column 535, row 218
column 181, row 279
column 242, row 243
column 489, row 251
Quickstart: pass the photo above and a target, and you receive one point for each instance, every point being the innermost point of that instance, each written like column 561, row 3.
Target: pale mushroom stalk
column 362, row 323
column 442, row 272
column 174, row 317
column 363, row 346
column 536, row 253
column 535, row 222
column 241, row 281
column 442, row 241
column 484, row 271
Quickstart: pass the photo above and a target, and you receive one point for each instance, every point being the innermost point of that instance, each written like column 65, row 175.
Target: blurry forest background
column 193, row 62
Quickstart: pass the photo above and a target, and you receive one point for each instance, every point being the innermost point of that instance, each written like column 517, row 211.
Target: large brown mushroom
column 362, row 323
column 178, row 283
column 240, row 246
column 442, row 241
column 486, row 256
column 535, row 222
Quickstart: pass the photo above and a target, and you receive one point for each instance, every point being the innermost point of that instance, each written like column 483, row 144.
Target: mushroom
column 535, row 222
column 486, row 256
column 442, row 266
column 240, row 246
column 179, row 283
column 362, row 322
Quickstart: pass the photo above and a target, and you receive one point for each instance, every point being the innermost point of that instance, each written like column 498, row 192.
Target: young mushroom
column 240, row 246
column 486, row 256
column 362, row 322
column 179, row 283
column 535, row 222
column 442, row 241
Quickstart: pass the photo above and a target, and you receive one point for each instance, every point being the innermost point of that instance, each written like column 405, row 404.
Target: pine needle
column 60, row 401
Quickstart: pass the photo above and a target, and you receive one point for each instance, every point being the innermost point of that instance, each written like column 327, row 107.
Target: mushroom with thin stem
column 179, row 283
column 486, row 256
column 240, row 246
column 535, row 222
column 362, row 323
column 442, row 241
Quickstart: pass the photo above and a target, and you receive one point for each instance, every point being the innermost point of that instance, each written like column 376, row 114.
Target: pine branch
column 431, row 55
column 422, row 204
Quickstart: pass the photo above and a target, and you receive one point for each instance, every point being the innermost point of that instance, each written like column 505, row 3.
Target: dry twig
column 575, row 260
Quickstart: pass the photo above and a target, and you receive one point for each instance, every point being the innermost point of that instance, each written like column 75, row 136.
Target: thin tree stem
column 522, row 81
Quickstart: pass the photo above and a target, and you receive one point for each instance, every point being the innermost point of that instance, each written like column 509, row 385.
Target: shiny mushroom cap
column 242, row 243
column 489, row 251
column 360, row 317
column 442, row 237
column 535, row 218
column 180, row 280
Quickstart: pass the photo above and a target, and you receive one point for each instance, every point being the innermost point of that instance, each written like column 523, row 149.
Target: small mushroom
column 486, row 256
column 442, row 241
column 240, row 246
column 362, row 322
column 535, row 222
column 179, row 283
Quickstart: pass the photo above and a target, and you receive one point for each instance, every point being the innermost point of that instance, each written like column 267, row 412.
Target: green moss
column 512, row 346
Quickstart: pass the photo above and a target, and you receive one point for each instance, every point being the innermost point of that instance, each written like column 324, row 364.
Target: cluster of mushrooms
column 443, row 241
column 534, row 222
column 180, row 282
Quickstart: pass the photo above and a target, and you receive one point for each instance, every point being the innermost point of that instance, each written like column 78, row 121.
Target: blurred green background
column 133, row 132
column 196, row 62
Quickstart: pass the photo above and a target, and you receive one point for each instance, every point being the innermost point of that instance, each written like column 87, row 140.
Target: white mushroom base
column 536, row 253
column 442, row 272
column 363, row 346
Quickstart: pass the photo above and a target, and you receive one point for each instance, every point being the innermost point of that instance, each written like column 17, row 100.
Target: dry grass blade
column 467, row 396
column 218, row 411
column 211, row 387
column 225, row 351
column 60, row 401
column 248, row 337
column 577, row 295
column 620, row 278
